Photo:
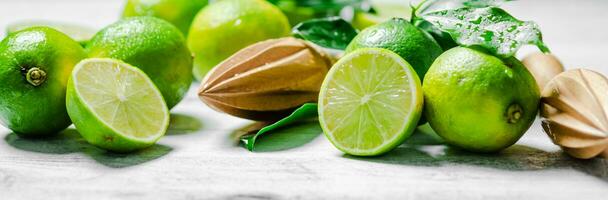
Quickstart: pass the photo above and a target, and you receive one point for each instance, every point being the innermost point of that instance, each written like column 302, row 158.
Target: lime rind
column 88, row 106
column 370, row 101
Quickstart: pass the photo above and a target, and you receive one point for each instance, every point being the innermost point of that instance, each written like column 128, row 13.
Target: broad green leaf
column 443, row 39
column 483, row 3
column 491, row 28
column 436, row 5
column 302, row 10
column 287, row 137
column 299, row 119
column 325, row 5
column 332, row 32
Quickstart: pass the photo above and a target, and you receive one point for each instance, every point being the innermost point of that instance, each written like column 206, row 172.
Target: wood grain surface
column 198, row 159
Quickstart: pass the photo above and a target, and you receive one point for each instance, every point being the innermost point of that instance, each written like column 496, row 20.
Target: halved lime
column 115, row 106
column 79, row 33
column 370, row 101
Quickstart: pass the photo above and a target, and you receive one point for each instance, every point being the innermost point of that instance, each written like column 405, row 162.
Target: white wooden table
column 199, row 160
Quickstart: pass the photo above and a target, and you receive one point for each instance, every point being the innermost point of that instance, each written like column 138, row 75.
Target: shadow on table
column 70, row 141
column 425, row 150
column 182, row 124
column 119, row 160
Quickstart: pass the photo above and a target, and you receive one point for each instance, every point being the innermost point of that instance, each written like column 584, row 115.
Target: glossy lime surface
column 153, row 45
column 479, row 102
column 36, row 107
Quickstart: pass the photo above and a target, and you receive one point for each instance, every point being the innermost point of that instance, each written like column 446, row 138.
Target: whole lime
column 35, row 65
column 479, row 102
column 178, row 12
column 153, row 45
column 398, row 35
column 224, row 27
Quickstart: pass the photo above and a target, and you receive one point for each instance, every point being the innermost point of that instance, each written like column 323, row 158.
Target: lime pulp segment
column 370, row 101
column 122, row 97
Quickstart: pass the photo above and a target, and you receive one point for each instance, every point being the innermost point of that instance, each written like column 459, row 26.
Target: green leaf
column 443, row 39
column 302, row 10
column 288, row 137
column 491, row 28
column 483, row 3
column 427, row 6
column 436, row 5
column 300, row 116
column 332, row 32
column 326, row 5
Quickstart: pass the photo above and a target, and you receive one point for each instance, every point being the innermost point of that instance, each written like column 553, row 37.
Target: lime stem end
column 35, row 76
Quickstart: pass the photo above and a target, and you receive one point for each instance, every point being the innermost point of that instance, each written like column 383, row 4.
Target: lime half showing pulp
column 115, row 106
column 370, row 101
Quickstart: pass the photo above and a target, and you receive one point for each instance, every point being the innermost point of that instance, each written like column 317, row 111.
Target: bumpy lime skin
column 467, row 96
column 224, row 27
column 398, row 35
column 30, row 110
column 154, row 46
column 93, row 130
column 178, row 12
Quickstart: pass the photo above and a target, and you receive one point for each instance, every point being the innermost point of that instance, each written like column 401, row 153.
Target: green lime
column 224, row 27
column 35, row 65
column 398, row 35
column 297, row 13
column 82, row 34
column 479, row 102
column 153, row 45
column 115, row 106
column 384, row 12
column 178, row 12
column 370, row 102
